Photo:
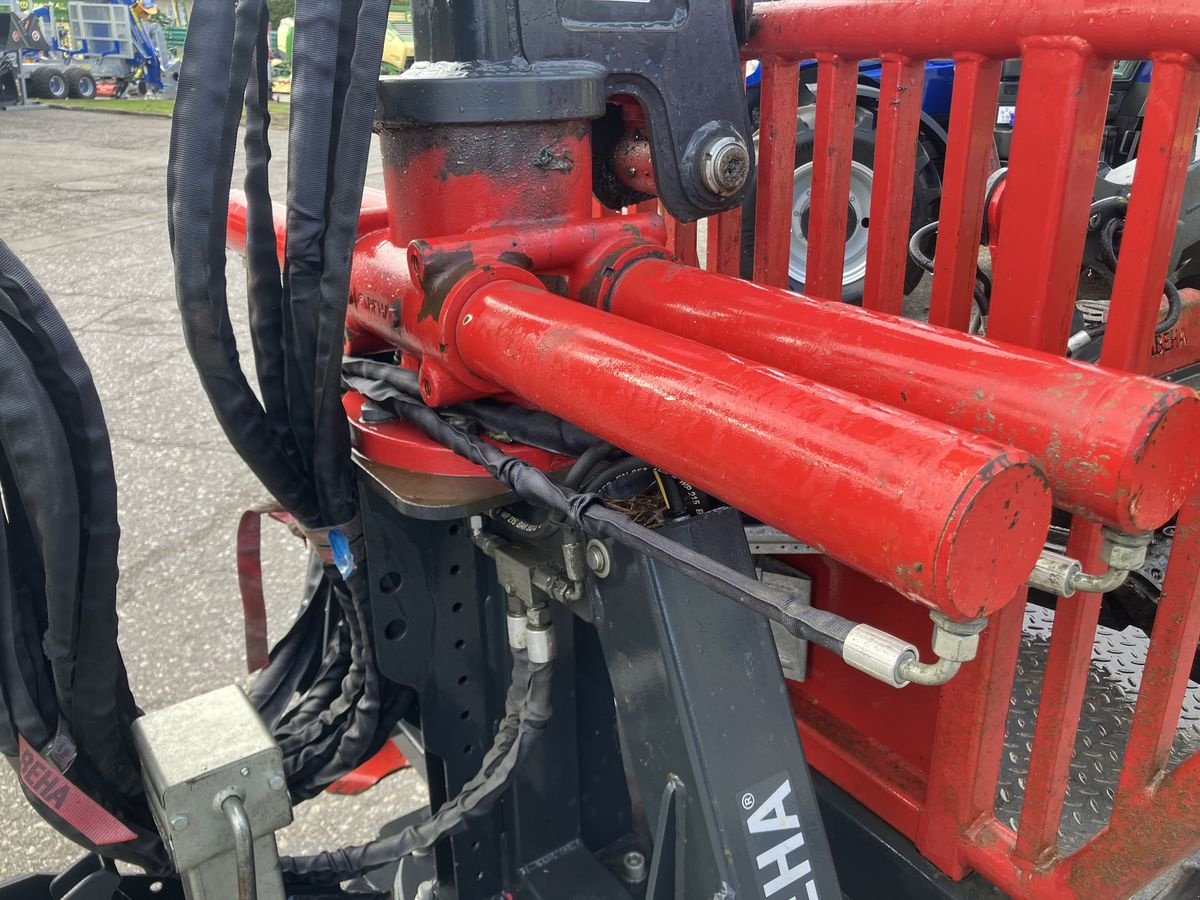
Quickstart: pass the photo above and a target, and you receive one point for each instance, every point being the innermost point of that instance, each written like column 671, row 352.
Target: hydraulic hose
column 297, row 440
column 527, row 710
column 65, row 704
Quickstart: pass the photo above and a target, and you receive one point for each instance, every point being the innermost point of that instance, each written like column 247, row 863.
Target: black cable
column 1108, row 271
column 588, row 460
column 609, row 475
column 916, row 244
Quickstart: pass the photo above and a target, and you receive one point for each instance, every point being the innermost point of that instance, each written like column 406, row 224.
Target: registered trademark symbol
column 747, row 801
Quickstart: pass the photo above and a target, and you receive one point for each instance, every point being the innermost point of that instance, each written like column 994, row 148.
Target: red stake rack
column 929, row 762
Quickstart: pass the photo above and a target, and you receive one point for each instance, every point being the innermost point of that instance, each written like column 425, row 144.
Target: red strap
column 68, row 801
column 249, row 566
column 389, row 759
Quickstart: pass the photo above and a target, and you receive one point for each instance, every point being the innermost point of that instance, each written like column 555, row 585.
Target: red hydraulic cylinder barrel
column 1116, row 447
column 944, row 517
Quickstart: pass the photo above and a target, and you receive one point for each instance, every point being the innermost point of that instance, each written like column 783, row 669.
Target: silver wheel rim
column 56, row 86
column 858, row 210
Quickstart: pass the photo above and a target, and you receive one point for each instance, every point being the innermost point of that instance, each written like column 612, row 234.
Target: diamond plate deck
column 1113, row 681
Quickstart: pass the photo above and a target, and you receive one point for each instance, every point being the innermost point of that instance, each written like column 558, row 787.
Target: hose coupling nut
column 954, row 640
column 1124, row 551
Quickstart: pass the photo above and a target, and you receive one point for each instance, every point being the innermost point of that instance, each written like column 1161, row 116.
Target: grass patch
column 150, row 107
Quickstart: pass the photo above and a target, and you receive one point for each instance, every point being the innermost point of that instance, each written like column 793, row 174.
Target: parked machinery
column 559, row 449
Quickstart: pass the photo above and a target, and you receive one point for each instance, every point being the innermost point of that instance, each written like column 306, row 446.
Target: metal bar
column 685, row 242
column 1063, row 687
column 972, row 123
column 1163, row 156
column 1127, row 462
column 938, row 29
column 725, row 243
column 243, row 847
column 836, row 450
column 1168, row 662
column 1063, row 100
column 776, row 165
column 968, row 741
column 892, row 190
column 833, row 149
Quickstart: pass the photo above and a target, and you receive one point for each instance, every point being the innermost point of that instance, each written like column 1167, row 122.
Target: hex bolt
column 179, row 822
column 598, row 559
column 245, row 770
column 725, row 165
column 633, row 867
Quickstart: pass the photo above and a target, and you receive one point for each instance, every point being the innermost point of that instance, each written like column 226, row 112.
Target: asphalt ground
column 83, row 203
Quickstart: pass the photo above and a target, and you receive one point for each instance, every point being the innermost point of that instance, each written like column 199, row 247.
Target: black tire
column 47, row 83
column 80, row 83
column 927, row 191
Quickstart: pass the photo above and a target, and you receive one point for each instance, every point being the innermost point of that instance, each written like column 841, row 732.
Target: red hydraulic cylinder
column 1116, row 447
column 946, row 518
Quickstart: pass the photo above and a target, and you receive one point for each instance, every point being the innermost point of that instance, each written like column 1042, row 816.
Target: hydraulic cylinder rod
column 1116, row 447
column 946, row 518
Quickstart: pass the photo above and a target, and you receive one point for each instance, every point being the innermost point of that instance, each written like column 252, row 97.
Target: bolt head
column 276, row 782
column 725, row 165
column 633, row 865
column 598, row 559
column 179, row 822
column 245, row 770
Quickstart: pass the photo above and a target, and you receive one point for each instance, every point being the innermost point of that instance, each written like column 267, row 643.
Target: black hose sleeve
column 519, row 424
column 528, row 709
column 263, row 275
column 352, row 128
column 204, row 127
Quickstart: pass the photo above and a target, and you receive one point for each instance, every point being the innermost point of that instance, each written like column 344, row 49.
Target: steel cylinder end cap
column 992, row 538
column 1163, row 469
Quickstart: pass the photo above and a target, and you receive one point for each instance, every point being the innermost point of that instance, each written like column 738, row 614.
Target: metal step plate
column 1112, row 689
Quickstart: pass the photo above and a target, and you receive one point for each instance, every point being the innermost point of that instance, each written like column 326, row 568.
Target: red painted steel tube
column 1064, row 683
column 776, row 172
column 1063, row 98
column 725, row 243
column 944, row 518
column 964, row 180
column 1163, row 157
column 892, row 190
column 1168, row 662
column 833, row 149
column 1119, row 449
column 934, row 29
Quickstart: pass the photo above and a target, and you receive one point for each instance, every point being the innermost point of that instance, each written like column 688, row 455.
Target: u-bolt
column 243, row 846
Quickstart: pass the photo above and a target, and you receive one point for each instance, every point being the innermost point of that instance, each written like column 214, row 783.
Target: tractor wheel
column 48, row 83
column 80, row 83
column 927, row 192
